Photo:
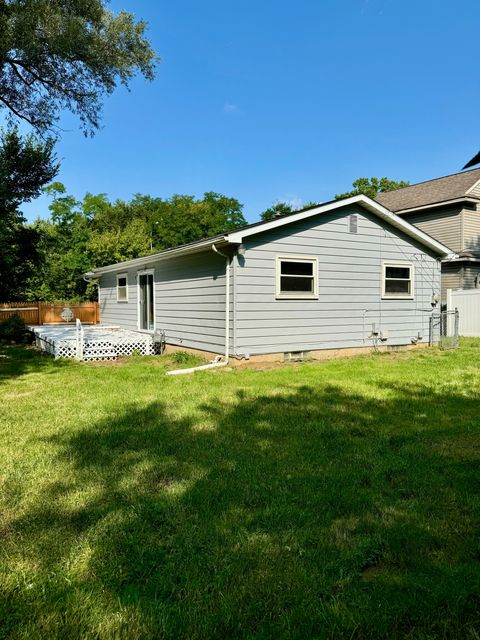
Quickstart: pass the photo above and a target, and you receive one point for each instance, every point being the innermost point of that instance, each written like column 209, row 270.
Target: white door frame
column 146, row 272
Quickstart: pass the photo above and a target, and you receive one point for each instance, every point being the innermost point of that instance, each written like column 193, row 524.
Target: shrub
column 182, row 357
column 13, row 329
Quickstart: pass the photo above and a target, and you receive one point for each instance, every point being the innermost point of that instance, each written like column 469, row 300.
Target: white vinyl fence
column 467, row 301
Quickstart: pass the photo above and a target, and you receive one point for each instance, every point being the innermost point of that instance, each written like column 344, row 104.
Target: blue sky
column 275, row 100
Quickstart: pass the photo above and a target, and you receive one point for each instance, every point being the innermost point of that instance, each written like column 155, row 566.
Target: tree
column 371, row 187
column 95, row 232
column 182, row 219
column 280, row 209
column 277, row 210
column 62, row 246
column 67, row 54
column 26, row 166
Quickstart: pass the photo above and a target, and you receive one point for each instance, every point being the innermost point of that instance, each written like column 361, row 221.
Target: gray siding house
column 345, row 274
column 448, row 209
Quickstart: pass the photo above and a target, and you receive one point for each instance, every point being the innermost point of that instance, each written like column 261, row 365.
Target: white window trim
column 398, row 263
column 296, row 296
column 146, row 272
column 122, row 275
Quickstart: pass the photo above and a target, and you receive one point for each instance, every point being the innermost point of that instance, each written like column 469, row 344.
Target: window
column 122, row 287
column 297, row 277
column 397, row 280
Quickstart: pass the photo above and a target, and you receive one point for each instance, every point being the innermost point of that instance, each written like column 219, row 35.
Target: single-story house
column 346, row 274
column 448, row 209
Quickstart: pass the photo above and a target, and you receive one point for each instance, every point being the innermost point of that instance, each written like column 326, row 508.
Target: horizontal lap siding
column 190, row 301
column 452, row 278
column 471, row 230
column 123, row 314
column 445, row 225
column 349, row 280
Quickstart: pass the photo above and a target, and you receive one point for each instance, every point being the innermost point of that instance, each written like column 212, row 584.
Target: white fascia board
column 163, row 255
column 382, row 212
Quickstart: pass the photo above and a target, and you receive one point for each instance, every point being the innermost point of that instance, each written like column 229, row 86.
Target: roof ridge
column 415, row 184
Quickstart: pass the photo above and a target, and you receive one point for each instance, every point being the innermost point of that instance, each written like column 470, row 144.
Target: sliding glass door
column 146, row 307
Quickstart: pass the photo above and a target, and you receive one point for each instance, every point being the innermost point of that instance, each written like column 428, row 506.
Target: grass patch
column 332, row 500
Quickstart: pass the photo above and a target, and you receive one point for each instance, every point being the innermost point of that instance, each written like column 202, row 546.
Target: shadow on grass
column 18, row 360
column 310, row 513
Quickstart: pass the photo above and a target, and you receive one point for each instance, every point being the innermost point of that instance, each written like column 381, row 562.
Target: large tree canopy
column 67, row 54
column 371, row 187
column 95, row 232
column 26, row 166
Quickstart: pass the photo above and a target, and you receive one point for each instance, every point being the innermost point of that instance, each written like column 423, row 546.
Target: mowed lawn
column 327, row 500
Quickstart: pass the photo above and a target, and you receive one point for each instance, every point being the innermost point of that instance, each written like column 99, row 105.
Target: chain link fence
column 444, row 329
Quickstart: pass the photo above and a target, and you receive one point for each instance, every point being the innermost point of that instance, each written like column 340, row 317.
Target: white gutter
column 217, row 362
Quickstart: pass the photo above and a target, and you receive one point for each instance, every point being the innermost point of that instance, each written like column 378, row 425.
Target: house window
column 297, row 277
column 398, row 280
column 122, row 288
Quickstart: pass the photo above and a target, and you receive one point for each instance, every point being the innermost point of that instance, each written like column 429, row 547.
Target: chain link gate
column 444, row 329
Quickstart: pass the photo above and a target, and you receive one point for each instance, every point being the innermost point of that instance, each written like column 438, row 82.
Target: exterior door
column 146, row 308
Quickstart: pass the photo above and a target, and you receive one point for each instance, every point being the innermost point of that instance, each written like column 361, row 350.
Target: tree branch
column 17, row 113
column 13, row 62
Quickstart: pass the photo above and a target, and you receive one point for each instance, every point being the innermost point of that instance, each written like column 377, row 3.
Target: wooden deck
column 98, row 342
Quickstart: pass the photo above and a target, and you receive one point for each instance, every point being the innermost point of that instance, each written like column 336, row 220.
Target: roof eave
column 440, row 203
column 195, row 247
column 369, row 204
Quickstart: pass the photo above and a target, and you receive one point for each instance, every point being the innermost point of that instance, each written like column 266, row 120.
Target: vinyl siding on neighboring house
column 445, row 225
column 350, row 285
column 189, row 300
column 471, row 274
column 471, row 230
column 452, row 277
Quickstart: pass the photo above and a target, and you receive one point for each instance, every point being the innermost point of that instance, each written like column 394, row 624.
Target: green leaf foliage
column 277, row 210
column 371, row 187
column 26, row 165
column 94, row 232
column 67, row 54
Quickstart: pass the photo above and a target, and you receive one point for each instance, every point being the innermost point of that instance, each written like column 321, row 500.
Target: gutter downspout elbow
column 217, row 363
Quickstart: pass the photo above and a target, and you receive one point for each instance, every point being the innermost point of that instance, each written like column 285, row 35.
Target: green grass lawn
column 330, row 500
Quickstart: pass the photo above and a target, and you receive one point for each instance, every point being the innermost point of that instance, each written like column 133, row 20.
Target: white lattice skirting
column 106, row 345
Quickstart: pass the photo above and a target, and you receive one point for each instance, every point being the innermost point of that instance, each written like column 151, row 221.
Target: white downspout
column 217, row 362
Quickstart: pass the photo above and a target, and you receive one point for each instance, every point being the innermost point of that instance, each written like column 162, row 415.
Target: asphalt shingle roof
column 429, row 192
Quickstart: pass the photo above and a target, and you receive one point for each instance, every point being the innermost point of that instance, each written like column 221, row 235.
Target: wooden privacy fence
column 50, row 313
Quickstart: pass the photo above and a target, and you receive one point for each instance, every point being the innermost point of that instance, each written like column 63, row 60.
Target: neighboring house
column 449, row 210
column 345, row 274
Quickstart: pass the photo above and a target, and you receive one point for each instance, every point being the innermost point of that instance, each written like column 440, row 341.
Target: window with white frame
column 122, row 287
column 398, row 280
column 297, row 277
